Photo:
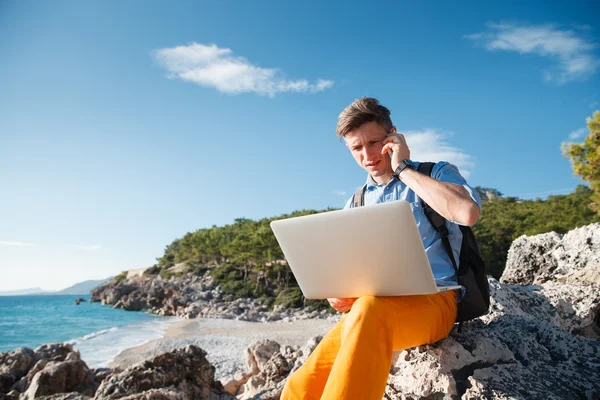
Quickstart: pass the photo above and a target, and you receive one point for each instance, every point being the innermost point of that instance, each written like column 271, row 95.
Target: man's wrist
column 402, row 167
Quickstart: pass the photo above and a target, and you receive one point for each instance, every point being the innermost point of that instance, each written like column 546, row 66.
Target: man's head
column 364, row 125
column 360, row 112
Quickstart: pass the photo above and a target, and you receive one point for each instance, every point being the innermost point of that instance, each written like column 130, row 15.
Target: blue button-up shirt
column 442, row 268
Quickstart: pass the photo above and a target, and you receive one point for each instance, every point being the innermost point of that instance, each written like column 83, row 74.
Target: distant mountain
column 84, row 287
column 24, row 292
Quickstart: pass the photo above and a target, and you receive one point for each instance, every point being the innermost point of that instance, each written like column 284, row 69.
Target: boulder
column 15, row 363
column 61, row 377
column 573, row 258
column 53, row 351
column 269, row 365
column 513, row 357
column 184, row 373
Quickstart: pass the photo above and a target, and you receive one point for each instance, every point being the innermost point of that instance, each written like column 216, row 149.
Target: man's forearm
column 450, row 200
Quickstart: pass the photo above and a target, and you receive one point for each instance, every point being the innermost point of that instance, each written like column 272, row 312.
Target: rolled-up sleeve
column 446, row 172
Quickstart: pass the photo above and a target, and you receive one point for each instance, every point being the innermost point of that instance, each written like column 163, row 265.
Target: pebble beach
column 224, row 340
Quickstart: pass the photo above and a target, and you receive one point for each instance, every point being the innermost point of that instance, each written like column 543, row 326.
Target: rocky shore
column 192, row 296
column 539, row 341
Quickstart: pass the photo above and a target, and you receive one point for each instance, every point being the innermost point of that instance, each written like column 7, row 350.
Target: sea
column 99, row 332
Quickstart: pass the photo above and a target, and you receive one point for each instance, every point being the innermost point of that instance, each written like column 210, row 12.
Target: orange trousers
column 353, row 360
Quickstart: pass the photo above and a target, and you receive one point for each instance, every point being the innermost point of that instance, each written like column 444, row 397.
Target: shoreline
column 224, row 340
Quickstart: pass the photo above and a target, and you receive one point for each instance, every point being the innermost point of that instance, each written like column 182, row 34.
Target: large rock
column 183, row 374
column 520, row 350
column 575, row 309
column 61, row 377
column 573, row 258
column 269, row 366
column 14, row 365
column 55, row 352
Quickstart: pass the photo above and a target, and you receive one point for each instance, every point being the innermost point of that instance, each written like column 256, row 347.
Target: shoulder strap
column 436, row 220
column 425, row 168
column 358, row 200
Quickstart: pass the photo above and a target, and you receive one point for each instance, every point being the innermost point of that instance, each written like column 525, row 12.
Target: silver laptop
column 372, row 250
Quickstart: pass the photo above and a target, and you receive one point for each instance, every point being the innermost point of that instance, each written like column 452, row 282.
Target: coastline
column 99, row 349
column 225, row 340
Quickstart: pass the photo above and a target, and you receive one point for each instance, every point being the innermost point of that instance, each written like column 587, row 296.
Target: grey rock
column 17, row 362
column 573, row 258
column 574, row 309
column 53, row 351
column 259, row 353
column 186, row 372
column 61, row 377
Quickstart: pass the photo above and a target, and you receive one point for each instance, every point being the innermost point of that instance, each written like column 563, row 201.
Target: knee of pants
column 366, row 309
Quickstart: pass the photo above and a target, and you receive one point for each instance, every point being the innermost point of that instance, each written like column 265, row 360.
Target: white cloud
column 339, row 192
column 577, row 133
column 211, row 66
column 573, row 53
column 8, row 243
column 429, row 145
column 87, row 247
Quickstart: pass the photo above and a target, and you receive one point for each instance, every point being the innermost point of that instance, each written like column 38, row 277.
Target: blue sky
column 124, row 125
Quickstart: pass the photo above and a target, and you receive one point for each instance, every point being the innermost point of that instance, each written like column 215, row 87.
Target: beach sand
column 224, row 340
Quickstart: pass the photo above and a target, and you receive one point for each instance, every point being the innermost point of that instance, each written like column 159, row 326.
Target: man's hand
column 397, row 144
column 342, row 305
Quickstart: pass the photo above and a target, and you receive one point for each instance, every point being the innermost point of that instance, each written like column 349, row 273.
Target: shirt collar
column 371, row 184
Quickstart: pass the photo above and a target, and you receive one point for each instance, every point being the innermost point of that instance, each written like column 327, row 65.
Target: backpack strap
column 358, row 200
column 436, row 220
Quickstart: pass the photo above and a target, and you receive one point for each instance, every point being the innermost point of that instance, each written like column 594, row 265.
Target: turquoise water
column 98, row 332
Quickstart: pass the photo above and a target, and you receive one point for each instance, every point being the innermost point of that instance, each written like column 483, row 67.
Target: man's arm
column 450, row 200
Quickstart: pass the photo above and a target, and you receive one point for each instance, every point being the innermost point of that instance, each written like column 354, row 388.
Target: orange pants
column 353, row 360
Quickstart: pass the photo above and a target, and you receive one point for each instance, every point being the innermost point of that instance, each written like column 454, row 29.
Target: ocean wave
column 91, row 335
column 100, row 350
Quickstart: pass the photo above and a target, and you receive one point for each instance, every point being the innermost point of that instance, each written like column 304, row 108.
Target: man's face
column 365, row 144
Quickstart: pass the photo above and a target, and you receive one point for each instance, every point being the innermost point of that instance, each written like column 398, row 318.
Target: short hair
column 361, row 111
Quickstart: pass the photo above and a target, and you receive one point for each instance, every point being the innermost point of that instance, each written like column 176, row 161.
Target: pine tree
column 585, row 159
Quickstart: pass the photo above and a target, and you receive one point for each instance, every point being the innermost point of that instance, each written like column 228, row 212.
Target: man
column 353, row 359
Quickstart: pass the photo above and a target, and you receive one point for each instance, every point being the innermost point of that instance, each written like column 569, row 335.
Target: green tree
column 585, row 159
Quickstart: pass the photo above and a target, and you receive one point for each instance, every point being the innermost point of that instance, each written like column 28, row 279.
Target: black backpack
column 471, row 274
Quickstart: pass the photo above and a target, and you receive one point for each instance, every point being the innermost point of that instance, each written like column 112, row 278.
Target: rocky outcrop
column 509, row 353
column 61, row 377
column 44, row 372
column 191, row 296
column 572, row 259
column 182, row 374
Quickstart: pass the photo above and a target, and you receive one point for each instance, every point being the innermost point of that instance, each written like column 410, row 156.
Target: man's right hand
column 341, row 305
